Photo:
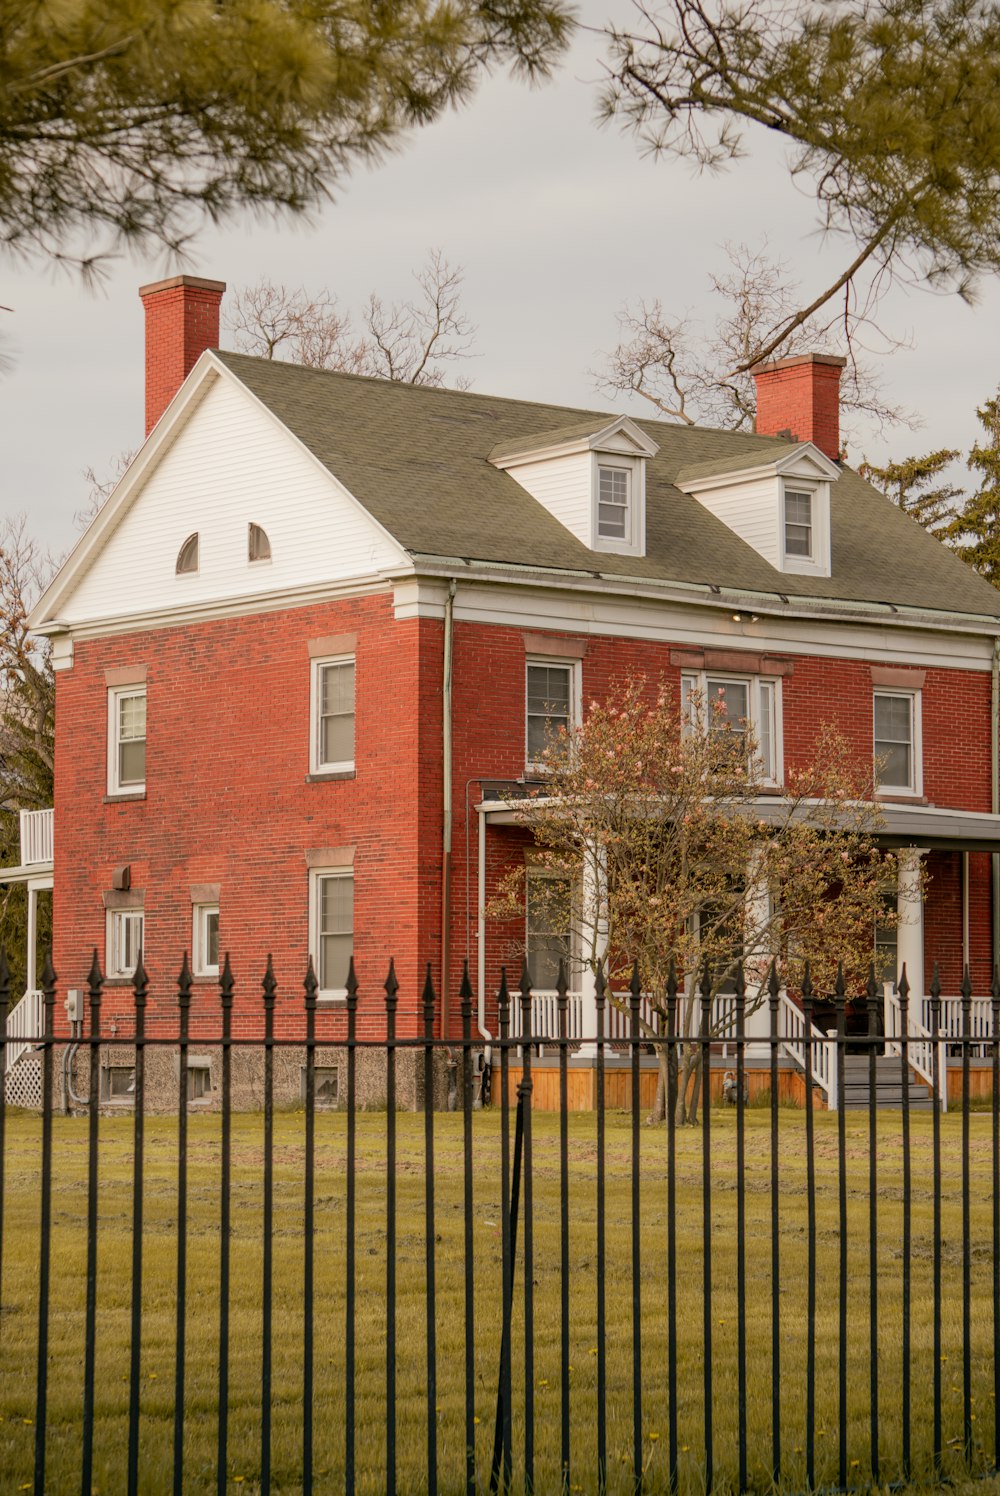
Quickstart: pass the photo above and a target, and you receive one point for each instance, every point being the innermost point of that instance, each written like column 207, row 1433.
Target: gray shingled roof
column 417, row 458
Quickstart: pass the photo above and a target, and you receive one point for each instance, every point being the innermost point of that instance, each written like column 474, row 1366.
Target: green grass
column 19, row 1298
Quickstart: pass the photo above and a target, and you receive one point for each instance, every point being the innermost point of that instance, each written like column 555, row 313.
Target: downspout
column 995, row 791
column 446, row 822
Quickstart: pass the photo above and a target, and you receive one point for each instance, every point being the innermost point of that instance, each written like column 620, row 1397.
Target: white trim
column 316, row 877
column 246, row 603
column 804, row 453
column 115, row 785
column 593, row 441
column 818, row 562
column 206, row 371
column 114, row 933
column 633, row 543
column 575, row 696
column 690, row 620
column 200, row 914
column 914, row 697
column 753, row 682
column 317, row 763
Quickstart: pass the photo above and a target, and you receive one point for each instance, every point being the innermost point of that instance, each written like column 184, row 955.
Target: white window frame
column 916, row 787
column 117, row 694
column 200, row 915
column 317, row 764
column 698, row 681
column 817, row 563
column 115, row 940
column 633, row 541
column 805, row 491
column 317, row 876
column 575, row 698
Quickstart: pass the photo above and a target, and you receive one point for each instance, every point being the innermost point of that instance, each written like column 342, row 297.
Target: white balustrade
column 795, row 1041
column 36, row 837
column 24, row 1028
column 919, row 1043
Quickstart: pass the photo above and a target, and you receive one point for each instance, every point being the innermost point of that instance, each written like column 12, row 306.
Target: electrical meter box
column 74, row 1004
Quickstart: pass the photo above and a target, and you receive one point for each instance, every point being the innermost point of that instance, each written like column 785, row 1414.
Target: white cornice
column 228, row 607
column 595, row 441
column 798, row 460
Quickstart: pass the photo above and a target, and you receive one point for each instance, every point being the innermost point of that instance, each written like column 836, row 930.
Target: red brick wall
column 227, row 799
column 227, row 802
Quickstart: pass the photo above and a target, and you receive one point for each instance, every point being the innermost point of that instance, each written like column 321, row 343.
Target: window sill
column 119, row 982
column 900, row 797
column 332, row 999
column 323, row 775
column 123, row 795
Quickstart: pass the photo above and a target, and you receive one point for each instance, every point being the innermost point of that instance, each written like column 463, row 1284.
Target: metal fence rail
column 744, row 1435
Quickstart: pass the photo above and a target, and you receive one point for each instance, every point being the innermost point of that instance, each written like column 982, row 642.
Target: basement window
column 327, row 1087
column 119, row 1083
column 187, row 556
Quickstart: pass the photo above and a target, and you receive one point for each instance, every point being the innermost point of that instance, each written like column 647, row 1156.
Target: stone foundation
column 161, row 1081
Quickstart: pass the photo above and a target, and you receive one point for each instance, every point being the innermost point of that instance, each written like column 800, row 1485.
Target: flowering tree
column 660, row 843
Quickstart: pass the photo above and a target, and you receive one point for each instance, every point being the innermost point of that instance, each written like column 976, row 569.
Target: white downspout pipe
column 481, row 928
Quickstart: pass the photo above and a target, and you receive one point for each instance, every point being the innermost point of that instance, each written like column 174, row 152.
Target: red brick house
column 305, row 651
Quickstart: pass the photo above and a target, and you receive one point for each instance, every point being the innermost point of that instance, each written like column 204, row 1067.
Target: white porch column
column 594, row 940
column 910, row 930
column 757, row 962
column 30, row 957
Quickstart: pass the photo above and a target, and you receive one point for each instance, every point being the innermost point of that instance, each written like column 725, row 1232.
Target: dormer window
column 798, row 522
column 187, row 556
column 591, row 477
column 613, row 494
column 777, row 498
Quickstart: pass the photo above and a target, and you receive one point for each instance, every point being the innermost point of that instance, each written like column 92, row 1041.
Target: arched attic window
column 258, row 545
column 187, row 556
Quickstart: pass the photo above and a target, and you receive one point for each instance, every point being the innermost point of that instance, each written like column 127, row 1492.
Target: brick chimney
column 182, row 320
column 801, row 395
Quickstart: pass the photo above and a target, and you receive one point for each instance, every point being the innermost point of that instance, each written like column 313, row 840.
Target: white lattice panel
column 24, row 1083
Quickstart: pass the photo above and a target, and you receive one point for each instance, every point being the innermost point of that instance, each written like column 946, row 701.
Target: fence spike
column 935, row 987
column 807, row 987
column 311, row 984
column 706, row 982
column 903, row 985
column 871, row 986
column 140, row 980
column 672, row 981
column 600, row 985
column 635, row 986
column 840, row 986
column 391, row 985
column 269, row 984
column 503, row 994
column 95, row 977
column 184, row 983
column 227, row 983
column 48, row 971
column 562, row 986
column 352, row 984
column 465, row 989
column 428, row 997
column 773, row 984
column 741, row 986
column 966, row 985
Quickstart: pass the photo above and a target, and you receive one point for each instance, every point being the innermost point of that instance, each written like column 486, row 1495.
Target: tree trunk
column 659, row 1111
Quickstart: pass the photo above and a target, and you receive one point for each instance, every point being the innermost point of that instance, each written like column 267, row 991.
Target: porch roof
column 26, row 873
column 930, row 826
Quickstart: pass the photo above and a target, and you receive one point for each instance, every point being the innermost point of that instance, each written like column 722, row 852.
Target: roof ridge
column 584, row 412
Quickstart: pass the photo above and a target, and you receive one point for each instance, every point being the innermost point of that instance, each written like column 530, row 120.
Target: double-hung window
column 550, row 690
column 333, row 715
column 331, row 928
column 897, row 741
column 799, row 523
column 124, row 941
column 614, row 493
column 127, row 740
column 739, row 704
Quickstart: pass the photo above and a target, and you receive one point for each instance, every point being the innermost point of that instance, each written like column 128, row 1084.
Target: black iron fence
column 486, row 1302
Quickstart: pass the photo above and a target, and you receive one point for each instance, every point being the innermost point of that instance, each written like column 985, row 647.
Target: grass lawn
column 19, row 1300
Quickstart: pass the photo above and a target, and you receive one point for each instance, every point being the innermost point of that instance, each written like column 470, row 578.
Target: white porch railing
column 795, row 1040
column 950, row 1021
column 545, row 1016
column 919, row 1042
column 24, row 1025
column 36, row 836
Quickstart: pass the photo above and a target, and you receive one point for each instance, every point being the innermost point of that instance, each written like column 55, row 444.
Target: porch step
column 888, row 1084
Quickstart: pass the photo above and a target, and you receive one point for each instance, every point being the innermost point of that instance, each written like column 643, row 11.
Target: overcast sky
column 556, row 223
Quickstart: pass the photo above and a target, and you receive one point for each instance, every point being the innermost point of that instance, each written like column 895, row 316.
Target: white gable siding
column 229, row 465
column 563, row 485
column 751, row 510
